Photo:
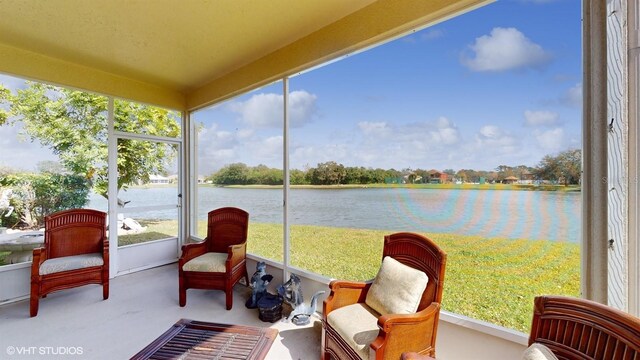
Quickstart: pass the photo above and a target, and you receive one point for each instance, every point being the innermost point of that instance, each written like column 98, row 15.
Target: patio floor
column 141, row 306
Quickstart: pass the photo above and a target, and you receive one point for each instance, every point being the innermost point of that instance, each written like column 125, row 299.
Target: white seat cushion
column 538, row 352
column 208, row 262
column 397, row 288
column 66, row 263
column 357, row 324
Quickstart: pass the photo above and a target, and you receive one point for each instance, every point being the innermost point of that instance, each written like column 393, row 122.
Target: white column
column 187, row 182
column 285, row 178
column 617, row 157
column 633, row 16
column 112, row 190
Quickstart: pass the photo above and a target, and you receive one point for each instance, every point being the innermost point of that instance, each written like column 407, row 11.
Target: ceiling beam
column 38, row 67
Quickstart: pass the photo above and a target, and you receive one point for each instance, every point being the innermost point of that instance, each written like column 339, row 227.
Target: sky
column 501, row 85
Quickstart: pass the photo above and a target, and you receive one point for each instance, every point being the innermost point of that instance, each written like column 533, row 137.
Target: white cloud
column 491, row 136
column 573, row 96
column 505, row 49
column 378, row 129
column 313, row 154
column 261, row 110
column 19, row 153
column 490, row 132
column 550, row 140
column 266, row 110
column 12, row 83
column 439, row 132
column 540, row 118
column 302, row 106
column 217, row 148
column 266, row 151
column 446, row 132
column 431, row 34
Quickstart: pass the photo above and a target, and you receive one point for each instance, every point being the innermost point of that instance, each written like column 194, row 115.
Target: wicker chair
column 393, row 334
column 75, row 253
column 219, row 261
column 578, row 329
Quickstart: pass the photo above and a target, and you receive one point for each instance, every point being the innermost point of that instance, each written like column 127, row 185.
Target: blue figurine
column 291, row 292
column 259, row 282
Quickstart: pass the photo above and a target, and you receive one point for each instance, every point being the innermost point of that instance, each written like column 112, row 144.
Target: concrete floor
column 141, row 306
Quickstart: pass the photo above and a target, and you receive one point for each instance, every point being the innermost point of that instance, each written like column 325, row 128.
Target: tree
column 49, row 166
column 73, row 124
column 564, row 167
column 232, row 174
column 504, row 171
column 297, row 177
column 264, row 175
column 328, row 173
column 355, row 175
column 37, row 195
column 5, row 96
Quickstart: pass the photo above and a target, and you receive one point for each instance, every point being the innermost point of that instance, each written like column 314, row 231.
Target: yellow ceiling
column 185, row 54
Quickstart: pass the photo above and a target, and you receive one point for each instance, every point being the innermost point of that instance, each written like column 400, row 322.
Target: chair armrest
column 415, row 356
column 39, row 256
column 398, row 331
column 105, row 248
column 235, row 255
column 190, row 251
column 344, row 293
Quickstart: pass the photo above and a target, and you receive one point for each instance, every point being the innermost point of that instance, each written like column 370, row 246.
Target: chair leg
column 35, row 300
column 105, row 290
column 229, row 295
column 182, row 292
column 324, row 355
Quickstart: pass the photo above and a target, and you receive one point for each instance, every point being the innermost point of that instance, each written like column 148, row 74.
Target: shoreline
column 495, row 187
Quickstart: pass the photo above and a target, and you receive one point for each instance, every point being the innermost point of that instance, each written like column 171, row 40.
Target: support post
column 594, row 157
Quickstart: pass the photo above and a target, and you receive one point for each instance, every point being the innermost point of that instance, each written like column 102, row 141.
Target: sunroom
column 191, row 62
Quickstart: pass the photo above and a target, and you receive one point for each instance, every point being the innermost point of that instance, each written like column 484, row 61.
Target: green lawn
column 3, row 256
column 487, row 278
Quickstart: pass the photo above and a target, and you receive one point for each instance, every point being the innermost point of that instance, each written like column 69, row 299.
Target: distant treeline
column 329, row 173
column 562, row 168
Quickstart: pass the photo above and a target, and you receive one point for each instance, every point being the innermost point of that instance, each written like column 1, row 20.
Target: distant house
column 527, row 178
column 510, row 180
column 159, row 179
column 437, row 177
column 411, row 178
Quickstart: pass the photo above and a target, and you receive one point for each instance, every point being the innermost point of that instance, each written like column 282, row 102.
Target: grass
column 490, row 279
column 494, row 280
column 3, row 257
column 156, row 230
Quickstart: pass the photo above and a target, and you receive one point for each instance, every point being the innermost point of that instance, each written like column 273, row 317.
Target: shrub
column 37, row 195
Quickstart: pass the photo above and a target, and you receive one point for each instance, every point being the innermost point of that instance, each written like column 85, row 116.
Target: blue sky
column 501, row 85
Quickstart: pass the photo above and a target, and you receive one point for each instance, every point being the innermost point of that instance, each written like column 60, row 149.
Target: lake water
column 491, row 213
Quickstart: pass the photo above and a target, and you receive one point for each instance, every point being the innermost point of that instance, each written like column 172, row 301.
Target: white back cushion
column 397, row 289
column 538, row 352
